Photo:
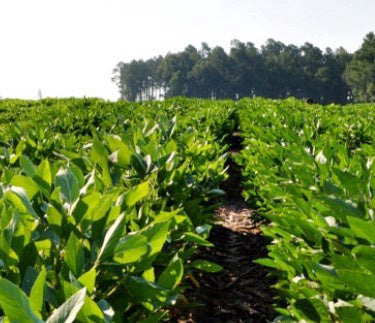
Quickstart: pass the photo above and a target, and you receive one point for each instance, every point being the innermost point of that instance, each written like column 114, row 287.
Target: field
column 109, row 211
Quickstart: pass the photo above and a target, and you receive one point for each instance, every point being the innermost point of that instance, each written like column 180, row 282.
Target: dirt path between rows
column 241, row 292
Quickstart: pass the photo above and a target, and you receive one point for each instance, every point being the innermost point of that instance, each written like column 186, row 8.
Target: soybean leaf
column 172, row 275
column 18, row 197
column 99, row 155
column 88, row 280
column 206, row 266
column 30, row 187
column 156, row 234
column 131, row 249
column 357, row 281
column 15, row 303
column 136, row 193
column 195, row 238
column 27, row 166
column 37, row 292
column 68, row 311
column 43, row 177
column 67, row 181
column 362, row 229
column 143, row 290
column 74, row 255
column 365, row 256
column 349, row 314
column 111, row 238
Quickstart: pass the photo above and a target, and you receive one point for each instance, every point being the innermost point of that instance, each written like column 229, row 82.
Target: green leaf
column 136, row 193
column 67, row 181
column 365, row 256
column 90, row 311
column 7, row 254
column 340, row 208
column 131, row 249
column 15, row 303
column 307, row 309
column 172, row 275
column 111, row 238
column 357, row 281
column 206, row 266
column 156, row 234
column 74, row 255
column 18, row 197
column 68, row 311
column 123, row 152
column 99, row 155
column 27, row 184
column 362, row 229
column 349, row 314
column 195, row 238
column 142, row 290
column 37, row 292
column 216, row 192
column 43, row 177
column 27, row 166
column 88, row 280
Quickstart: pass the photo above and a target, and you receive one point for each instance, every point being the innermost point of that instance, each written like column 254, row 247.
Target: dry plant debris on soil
column 241, row 292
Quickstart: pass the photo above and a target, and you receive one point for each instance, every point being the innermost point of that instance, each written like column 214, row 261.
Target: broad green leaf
column 142, row 290
column 85, row 207
column 15, row 303
column 365, row 256
column 195, row 238
column 123, row 151
column 37, row 292
column 29, row 279
column 30, row 187
column 362, row 229
column 172, row 275
column 88, row 280
column 216, row 192
column 149, row 274
column 357, row 281
column 206, row 266
column 349, row 314
column 18, row 197
column 74, row 255
column 7, row 254
column 43, row 177
column 68, row 311
column 307, row 309
column 131, row 249
column 90, row 311
column 136, row 193
column 156, row 234
column 112, row 238
column 27, row 166
column 99, row 155
column 67, row 181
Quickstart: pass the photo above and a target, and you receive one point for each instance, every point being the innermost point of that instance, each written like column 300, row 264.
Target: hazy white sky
column 70, row 47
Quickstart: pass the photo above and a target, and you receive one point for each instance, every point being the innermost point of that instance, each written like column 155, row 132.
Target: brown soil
column 241, row 292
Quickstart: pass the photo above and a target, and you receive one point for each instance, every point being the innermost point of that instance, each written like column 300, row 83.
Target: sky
column 70, row 47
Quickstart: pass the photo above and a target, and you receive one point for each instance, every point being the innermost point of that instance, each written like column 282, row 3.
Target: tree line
column 276, row 70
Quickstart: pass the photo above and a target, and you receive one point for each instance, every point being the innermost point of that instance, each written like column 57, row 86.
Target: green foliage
column 309, row 169
column 97, row 212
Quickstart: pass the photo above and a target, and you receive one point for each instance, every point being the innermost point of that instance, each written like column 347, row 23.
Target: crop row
column 102, row 205
column 310, row 171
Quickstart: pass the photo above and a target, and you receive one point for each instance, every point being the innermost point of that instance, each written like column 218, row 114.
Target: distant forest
column 275, row 70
